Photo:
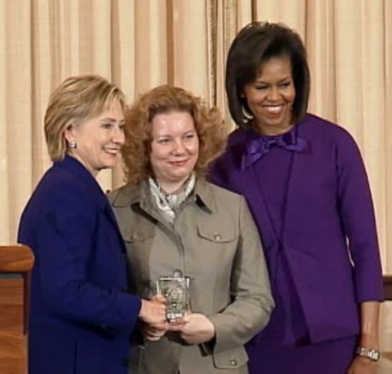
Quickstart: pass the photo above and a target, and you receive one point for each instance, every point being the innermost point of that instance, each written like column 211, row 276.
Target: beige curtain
column 139, row 44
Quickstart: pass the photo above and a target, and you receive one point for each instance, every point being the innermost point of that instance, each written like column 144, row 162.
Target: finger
column 160, row 318
column 187, row 318
column 179, row 321
column 189, row 339
column 175, row 327
column 153, row 338
column 160, row 326
column 159, row 298
column 154, row 334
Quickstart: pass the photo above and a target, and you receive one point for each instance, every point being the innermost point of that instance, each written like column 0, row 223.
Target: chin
column 180, row 176
column 109, row 166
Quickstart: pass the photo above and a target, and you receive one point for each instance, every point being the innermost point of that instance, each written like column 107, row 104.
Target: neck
column 273, row 130
column 92, row 171
column 170, row 188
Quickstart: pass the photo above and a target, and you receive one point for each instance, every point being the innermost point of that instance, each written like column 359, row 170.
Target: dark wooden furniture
column 387, row 279
column 18, row 259
column 387, row 282
column 14, row 304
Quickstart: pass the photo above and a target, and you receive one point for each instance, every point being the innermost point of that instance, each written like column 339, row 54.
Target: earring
column 72, row 144
column 247, row 116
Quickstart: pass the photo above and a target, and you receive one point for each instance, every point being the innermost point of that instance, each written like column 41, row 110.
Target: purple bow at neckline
column 258, row 147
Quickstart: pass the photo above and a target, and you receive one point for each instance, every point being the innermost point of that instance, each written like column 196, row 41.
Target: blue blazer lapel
column 109, row 212
column 84, row 176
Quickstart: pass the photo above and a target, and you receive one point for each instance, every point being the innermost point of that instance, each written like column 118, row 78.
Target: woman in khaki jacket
column 173, row 220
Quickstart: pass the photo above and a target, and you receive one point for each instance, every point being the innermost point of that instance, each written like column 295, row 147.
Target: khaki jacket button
column 233, row 362
column 217, row 237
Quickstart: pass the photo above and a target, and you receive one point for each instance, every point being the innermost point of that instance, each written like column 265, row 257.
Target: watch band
column 371, row 354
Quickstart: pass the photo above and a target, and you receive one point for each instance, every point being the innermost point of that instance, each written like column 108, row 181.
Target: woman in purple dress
column 307, row 187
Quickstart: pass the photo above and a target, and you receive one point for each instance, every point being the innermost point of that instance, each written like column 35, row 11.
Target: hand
column 154, row 333
column 362, row 365
column 194, row 328
column 153, row 311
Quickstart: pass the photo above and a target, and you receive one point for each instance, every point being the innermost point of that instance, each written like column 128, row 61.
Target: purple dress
column 294, row 186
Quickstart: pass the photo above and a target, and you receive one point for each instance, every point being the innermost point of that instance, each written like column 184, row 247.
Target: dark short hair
column 255, row 44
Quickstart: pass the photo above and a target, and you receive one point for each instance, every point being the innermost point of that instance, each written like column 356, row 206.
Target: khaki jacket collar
column 130, row 195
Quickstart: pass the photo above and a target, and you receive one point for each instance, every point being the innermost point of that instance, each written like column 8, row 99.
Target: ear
column 69, row 134
column 242, row 95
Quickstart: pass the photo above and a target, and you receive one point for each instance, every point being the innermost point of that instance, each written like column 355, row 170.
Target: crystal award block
column 176, row 291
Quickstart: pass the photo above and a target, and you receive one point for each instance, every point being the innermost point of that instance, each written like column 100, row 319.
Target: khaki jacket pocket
column 216, row 233
column 230, row 359
column 139, row 234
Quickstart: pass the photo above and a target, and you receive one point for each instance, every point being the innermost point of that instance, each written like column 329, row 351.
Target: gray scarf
column 168, row 205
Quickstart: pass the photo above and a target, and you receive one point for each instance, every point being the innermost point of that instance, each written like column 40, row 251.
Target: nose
column 179, row 147
column 118, row 136
column 273, row 94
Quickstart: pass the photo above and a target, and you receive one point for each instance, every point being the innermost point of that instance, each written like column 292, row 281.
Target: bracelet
column 371, row 354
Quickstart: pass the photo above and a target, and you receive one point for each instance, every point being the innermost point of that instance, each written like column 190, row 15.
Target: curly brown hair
column 136, row 151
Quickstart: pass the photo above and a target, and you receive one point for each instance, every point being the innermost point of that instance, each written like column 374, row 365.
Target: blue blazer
column 329, row 238
column 81, row 317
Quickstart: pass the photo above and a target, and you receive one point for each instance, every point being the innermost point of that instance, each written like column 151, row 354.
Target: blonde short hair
column 76, row 100
column 136, row 151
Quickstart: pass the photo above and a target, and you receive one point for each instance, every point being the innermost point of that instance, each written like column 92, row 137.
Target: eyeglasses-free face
column 174, row 149
column 271, row 96
column 98, row 140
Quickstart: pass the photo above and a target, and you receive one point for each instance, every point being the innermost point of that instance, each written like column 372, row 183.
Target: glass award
column 176, row 291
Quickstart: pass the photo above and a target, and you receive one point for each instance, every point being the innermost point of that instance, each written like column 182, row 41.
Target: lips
column 112, row 151
column 178, row 163
column 273, row 110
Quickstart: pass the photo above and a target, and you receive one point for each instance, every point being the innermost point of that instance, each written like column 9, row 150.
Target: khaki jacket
column 214, row 241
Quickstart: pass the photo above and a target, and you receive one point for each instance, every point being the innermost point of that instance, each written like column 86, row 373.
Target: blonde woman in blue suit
column 81, row 317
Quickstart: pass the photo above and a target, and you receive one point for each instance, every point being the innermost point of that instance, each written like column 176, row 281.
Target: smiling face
column 98, row 139
column 271, row 96
column 174, row 149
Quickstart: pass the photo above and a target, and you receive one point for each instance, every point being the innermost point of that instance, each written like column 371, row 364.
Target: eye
column 121, row 126
column 189, row 136
column 285, row 84
column 107, row 125
column 163, row 141
column 261, row 87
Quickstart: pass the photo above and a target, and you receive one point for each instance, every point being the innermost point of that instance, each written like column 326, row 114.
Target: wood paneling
column 12, row 339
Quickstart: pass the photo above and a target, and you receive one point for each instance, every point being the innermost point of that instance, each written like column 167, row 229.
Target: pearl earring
column 247, row 115
column 72, row 144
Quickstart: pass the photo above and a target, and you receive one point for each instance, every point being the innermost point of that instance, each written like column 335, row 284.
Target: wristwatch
column 371, row 354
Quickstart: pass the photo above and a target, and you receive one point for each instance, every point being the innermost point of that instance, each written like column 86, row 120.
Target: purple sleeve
column 357, row 214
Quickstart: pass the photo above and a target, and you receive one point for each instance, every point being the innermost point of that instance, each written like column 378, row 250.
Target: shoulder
column 317, row 129
column 123, row 196
column 313, row 124
column 232, row 156
column 61, row 188
column 224, row 194
column 237, row 136
column 221, row 199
